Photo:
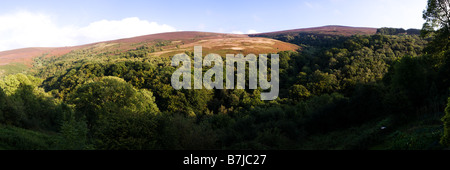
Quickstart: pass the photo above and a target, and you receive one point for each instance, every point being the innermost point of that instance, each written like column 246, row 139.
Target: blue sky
column 65, row 22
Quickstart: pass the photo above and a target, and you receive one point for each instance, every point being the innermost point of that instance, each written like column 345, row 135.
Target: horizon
column 105, row 41
column 50, row 23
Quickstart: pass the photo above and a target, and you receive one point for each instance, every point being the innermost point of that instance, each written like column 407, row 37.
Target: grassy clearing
column 13, row 68
column 422, row 134
column 359, row 138
column 13, row 138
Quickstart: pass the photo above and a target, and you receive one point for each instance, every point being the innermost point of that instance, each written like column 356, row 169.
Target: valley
column 338, row 87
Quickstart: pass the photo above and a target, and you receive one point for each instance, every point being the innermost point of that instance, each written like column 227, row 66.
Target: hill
column 167, row 44
column 324, row 30
column 163, row 44
column 337, row 92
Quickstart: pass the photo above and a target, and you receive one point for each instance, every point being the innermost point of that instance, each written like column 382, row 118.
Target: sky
column 56, row 23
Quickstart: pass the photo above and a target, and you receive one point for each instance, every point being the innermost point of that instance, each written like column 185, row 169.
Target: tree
column 445, row 140
column 391, row 31
column 12, row 82
column 320, row 82
column 410, row 79
column 26, row 105
column 3, row 104
column 178, row 131
column 437, row 15
column 73, row 134
column 117, row 115
column 109, row 96
column 299, row 92
column 126, row 131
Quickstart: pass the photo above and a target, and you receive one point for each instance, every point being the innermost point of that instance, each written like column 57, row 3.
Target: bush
column 110, row 96
column 24, row 104
column 179, row 132
column 445, row 140
column 13, row 138
column 73, row 134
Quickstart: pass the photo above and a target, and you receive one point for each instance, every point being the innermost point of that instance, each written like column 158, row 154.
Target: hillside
column 335, row 93
column 324, row 30
column 176, row 42
column 372, row 91
column 164, row 44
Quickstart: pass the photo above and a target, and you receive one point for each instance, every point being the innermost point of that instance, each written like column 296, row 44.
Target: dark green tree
column 445, row 140
column 73, row 134
column 299, row 92
column 109, row 96
column 3, row 104
column 410, row 79
column 28, row 106
column 437, row 15
column 437, row 24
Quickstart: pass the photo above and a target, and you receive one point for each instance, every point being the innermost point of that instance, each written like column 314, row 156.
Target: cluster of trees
column 397, row 31
column 437, row 26
column 122, row 102
column 24, row 104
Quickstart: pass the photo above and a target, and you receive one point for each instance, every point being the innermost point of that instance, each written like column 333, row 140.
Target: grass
column 421, row 134
column 13, row 68
column 359, row 138
column 13, row 138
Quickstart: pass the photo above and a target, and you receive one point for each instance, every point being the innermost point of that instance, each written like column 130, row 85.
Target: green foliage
column 299, row 92
column 266, row 128
column 421, row 138
column 11, row 83
column 28, row 106
column 437, row 15
column 332, row 84
column 73, row 134
column 180, row 132
column 437, row 28
column 410, row 79
column 13, row 68
column 445, row 140
column 320, row 83
column 13, row 138
column 413, row 31
column 391, row 31
column 117, row 115
column 126, row 131
column 397, row 31
column 336, row 92
column 354, row 138
column 110, row 96
column 328, row 64
column 3, row 105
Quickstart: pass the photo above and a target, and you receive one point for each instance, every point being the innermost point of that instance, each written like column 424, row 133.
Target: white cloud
column 248, row 32
column 27, row 29
column 128, row 27
column 24, row 29
column 252, row 32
